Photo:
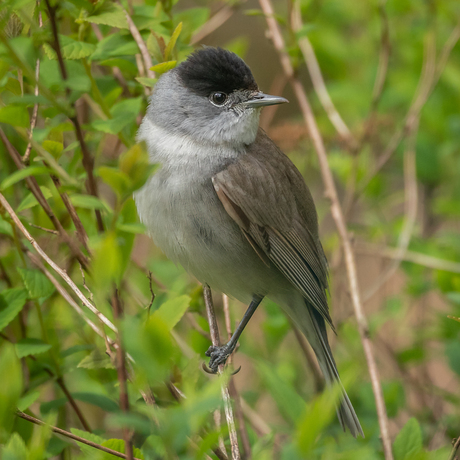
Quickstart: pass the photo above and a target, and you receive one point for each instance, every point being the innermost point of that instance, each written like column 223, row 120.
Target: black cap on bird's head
column 215, row 69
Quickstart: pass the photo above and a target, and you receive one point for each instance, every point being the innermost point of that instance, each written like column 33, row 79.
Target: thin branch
column 213, row 23
column 47, row 230
column 410, row 172
column 88, row 160
column 268, row 114
column 453, row 453
column 122, row 375
column 35, row 260
column 33, row 120
column 214, row 330
column 62, row 432
column 339, row 220
column 73, row 403
column 242, row 429
column 81, row 232
column 410, row 256
column 36, row 191
column 62, row 273
column 318, row 81
column 140, row 43
column 420, row 98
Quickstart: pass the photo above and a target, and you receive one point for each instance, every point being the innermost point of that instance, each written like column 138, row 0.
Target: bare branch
column 214, row 330
column 122, row 375
column 140, row 43
column 88, row 160
column 318, row 80
column 242, row 429
column 62, row 432
column 33, row 120
column 453, row 453
column 410, row 173
column 420, row 98
column 339, row 220
column 62, row 273
column 35, row 189
column 410, row 256
column 213, row 23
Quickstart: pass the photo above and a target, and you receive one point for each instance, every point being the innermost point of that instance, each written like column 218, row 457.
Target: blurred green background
column 392, row 70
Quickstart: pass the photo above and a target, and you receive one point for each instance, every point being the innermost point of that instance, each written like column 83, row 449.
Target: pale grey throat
column 229, row 206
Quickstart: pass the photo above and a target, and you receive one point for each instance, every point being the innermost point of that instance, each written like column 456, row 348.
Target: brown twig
column 410, row 173
column 122, row 375
column 36, row 191
column 339, row 220
column 140, row 43
column 410, row 256
column 268, row 114
column 62, row 273
column 318, row 81
column 33, row 120
column 88, row 160
column 47, row 230
column 73, row 403
column 213, row 23
column 242, row 429
column 456, row 446
column 214, row 330
column 420, row 98
column 74, row 437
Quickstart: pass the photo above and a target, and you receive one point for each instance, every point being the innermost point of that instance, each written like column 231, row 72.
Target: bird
column 230, row 207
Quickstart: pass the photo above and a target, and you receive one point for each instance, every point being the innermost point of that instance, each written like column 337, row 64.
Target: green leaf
column 111, row 126
column 14, row 86
column 172, row 311
column 172, row 42
column 115, row 45
column 15, row 115
column 289, row 403
column 10, row 388
column 11, row 303
column 38, row 285
column 28, row 399
column 408, row 442
column 53, row 147
column 15, row 449
column 87, row 202
column 70, row 49
column 145, row 81
column 96, row 360
column 119, row 446
column 29, row 346
column 30, row 201
column 98, row 400
column 136, row 228
column 116, row 179
column 316, row 417
column 22, row 174
column 163, row 67
column 110, row 14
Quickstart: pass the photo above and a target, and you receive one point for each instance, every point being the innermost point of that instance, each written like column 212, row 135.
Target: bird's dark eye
column 218, row 98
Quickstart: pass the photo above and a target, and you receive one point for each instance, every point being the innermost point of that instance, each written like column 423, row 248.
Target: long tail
column 313, row 327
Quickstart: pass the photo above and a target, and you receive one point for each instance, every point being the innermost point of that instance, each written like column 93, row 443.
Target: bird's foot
column 218, row 356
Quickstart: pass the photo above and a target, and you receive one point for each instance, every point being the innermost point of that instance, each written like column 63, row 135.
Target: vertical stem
column 122, row 375
column 339, row 220
column 214, row 330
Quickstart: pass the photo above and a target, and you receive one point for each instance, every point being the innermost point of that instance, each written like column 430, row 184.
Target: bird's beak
column 261, row 100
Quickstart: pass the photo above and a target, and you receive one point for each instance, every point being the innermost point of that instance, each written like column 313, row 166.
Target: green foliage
column 52, row 360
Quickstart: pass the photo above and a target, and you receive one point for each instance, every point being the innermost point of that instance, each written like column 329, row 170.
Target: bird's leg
column 220, row 354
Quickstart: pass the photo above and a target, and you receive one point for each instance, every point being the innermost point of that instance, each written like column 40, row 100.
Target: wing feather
column 267, row 197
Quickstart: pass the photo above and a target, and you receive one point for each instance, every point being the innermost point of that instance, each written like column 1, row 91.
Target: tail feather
column 313, row 327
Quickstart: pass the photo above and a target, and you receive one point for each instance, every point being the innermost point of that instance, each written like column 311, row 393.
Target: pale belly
column 188, row 222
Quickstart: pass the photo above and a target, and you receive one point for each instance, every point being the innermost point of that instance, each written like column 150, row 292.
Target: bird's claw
column 218, row 355
column 209, row 371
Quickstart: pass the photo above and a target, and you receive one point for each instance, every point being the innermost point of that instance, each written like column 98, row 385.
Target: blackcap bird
column 230, row 206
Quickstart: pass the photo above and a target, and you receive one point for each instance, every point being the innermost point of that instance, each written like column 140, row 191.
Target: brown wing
column 267, row 197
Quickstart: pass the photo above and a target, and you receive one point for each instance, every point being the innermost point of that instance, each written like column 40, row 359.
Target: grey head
column 212, row 98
